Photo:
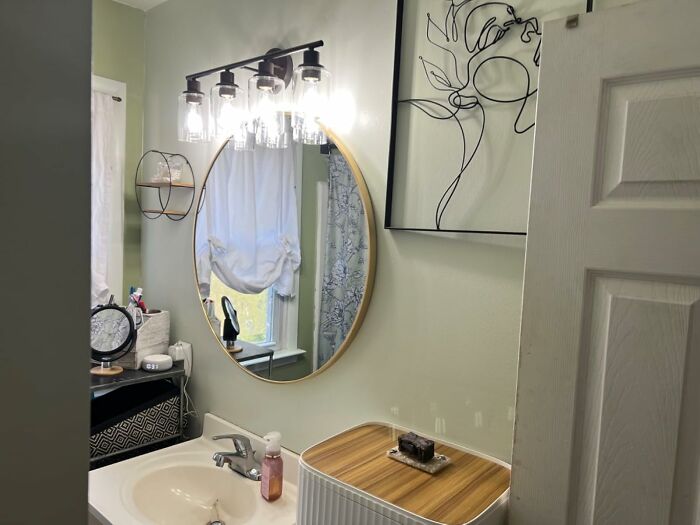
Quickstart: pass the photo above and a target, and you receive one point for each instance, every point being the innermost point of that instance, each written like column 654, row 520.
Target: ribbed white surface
column 322, row 501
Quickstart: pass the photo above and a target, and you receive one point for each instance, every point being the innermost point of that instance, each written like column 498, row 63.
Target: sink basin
column 189, row 493
column 195, row 494
column 180, row 485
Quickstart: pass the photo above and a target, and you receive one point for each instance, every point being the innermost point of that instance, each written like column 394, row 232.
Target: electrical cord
column 190, row 409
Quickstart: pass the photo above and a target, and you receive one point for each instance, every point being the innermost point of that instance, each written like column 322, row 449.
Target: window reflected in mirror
column 255, row 311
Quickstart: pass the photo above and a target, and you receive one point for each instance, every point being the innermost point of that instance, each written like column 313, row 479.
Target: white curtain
column 103, row 175
column 247, row 230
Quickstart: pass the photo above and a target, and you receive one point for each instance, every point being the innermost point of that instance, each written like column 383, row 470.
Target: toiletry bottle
column 271, row 483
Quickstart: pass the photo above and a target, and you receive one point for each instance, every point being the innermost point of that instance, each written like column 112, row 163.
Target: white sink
column 181, row 485
column 193, row 494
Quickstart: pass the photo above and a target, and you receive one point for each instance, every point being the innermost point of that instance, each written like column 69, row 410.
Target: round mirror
column 284, row 249
column 112, row 335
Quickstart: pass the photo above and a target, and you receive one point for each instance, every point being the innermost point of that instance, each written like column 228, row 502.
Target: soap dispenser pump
column 271, row 482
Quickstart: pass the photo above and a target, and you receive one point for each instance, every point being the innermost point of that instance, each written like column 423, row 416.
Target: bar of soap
column 417, row 447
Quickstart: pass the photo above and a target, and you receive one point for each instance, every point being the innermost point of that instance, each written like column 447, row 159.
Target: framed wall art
column 463, row 113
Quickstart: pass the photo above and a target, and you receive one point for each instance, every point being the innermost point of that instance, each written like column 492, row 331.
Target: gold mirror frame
column 371, row 262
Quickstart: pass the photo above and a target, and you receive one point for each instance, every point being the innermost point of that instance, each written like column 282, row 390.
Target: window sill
column 279, row 358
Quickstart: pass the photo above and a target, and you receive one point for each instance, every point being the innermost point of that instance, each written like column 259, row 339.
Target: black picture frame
column 389, row 202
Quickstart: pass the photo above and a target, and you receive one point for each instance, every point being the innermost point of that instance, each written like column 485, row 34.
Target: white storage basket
column 152, row 337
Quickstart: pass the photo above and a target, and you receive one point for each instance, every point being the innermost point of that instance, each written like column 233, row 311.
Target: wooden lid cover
column 454, row 496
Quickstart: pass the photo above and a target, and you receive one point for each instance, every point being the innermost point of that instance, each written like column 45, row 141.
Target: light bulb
column 268, row 114
column 311, row 88
column 266, row 101
column 309, row 111
column 230, row 114
column 270, row 128
column 227, row 116
column 192, row 114
column 194, row 123
column 312, row 100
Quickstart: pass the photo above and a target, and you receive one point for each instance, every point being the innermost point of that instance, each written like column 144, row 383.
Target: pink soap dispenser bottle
column 271, row 482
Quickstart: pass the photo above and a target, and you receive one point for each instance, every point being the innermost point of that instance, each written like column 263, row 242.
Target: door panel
column 649, row 147
column 631, row 379
column 607, row 427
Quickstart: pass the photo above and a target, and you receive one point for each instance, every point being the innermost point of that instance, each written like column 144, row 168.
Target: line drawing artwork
column 465, row 33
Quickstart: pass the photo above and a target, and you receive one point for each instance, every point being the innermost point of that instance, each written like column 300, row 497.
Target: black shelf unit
column 129, row 378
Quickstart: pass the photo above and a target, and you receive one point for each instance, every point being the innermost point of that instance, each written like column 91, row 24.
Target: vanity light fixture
column 229, row 112
column 192, row 114
column 311, row 91
column 264, row 121
column 266, row 100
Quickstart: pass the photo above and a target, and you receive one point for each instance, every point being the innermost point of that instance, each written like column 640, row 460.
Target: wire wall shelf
column 168, row 173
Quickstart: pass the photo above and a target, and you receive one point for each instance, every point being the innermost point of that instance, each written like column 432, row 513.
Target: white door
column 608, row 410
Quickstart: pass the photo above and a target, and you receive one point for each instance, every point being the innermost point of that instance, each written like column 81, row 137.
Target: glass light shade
column 266, row 103
column 192, row 117
column 310, row 102
column 230, row 118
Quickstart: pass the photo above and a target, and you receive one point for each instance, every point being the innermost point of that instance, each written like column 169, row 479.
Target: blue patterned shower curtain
column 345, row 264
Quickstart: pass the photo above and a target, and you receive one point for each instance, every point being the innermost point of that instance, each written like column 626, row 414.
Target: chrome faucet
column 242, row 460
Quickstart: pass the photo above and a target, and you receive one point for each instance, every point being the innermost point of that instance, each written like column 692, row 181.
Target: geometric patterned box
column 134, row 415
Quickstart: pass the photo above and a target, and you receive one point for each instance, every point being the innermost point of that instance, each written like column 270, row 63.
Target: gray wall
column 45, row 262
column 438, row 348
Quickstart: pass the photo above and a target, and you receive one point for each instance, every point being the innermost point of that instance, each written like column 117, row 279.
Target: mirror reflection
column 283, row 237
column 110, row 330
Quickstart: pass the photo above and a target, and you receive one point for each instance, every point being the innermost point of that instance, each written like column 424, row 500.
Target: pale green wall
column 438, row 349
column 118, row 54
column 314, row 169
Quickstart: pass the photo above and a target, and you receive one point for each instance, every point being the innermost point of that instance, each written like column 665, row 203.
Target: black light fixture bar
column 244, row 63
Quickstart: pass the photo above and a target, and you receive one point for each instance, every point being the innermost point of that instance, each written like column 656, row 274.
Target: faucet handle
column 242, row 443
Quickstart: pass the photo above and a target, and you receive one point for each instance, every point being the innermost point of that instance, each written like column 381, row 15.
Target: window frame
column 284, row 321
